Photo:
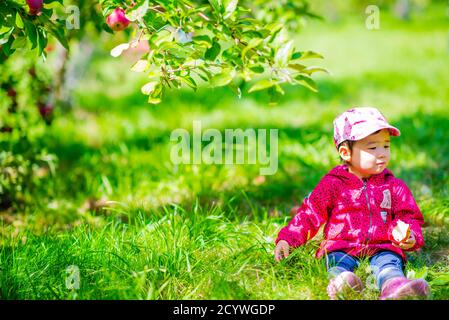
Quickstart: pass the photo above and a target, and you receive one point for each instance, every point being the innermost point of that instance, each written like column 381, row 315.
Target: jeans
column 384, row 264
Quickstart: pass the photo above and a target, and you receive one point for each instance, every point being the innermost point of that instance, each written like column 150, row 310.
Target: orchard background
column 91, row 207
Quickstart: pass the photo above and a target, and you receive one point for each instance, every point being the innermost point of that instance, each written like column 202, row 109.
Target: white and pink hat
column 358, row 123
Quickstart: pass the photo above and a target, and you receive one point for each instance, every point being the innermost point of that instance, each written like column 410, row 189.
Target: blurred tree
column 182, row 43
column 333, row 10
column 402, row 9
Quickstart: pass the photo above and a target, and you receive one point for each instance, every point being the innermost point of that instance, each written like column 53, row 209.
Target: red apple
column 117, row 20
column 46, row 111
column 35, row 6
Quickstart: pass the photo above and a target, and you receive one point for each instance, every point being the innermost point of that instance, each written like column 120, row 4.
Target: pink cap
column 358, row 123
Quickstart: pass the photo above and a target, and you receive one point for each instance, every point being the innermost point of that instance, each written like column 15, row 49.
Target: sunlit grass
column 207, row 231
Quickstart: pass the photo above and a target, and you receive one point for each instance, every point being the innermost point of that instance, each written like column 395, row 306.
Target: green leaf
column 188, row 81
column 7, row 46
column 140, row 66
column 262, row 85
column 19, row 42
column 248, row 21
column 206, row 74
column 4, row 38
column 194, row 63
column 163, row 36
column 306, row 82
column 45, row 14
column 32, row 33
column 297, row 66
column 223, row 78
column 43, row 40
column 19, row 21
column 236, row 89
column 213, row 52
column 156, row 96
column 275, row 27
column 202, row 40
column 311, row 70
column 252, row 44
column 283, row 54
column 149, row 87
column 306, row 55
column 275, row 94
column 54, row 4
column 230, row 6
column 257, row 69
column 138, row 13
column 253, row 34
column 215, row 4
column 279, row 89
column 4, row 29
column 58, row 33
column 154, row 100
column 204, row 78
column 296, row 55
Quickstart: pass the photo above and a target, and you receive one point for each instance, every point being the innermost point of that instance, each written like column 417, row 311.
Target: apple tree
column 191, row 42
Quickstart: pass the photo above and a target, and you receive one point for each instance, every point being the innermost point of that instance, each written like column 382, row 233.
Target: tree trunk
column 70, row 69
column 402, row 9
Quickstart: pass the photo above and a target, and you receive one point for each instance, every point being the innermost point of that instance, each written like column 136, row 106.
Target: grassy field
column 207, row 231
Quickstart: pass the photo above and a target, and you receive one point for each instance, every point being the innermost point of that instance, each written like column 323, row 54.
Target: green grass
column 207, row 231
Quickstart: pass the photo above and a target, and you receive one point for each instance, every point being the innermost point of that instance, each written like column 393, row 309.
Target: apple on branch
column 117, row 20
column 35, row 6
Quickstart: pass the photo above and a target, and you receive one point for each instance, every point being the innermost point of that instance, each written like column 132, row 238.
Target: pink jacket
column 359, row 215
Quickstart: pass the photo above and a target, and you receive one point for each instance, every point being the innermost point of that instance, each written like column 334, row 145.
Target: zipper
column 369, row 208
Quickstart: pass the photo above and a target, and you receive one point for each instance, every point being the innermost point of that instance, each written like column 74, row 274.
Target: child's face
column 370, row 155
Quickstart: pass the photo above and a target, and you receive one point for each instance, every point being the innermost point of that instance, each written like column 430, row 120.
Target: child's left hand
column 407, row 244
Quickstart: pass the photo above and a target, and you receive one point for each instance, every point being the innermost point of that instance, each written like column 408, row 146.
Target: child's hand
column 281, row 247
column 409, row 243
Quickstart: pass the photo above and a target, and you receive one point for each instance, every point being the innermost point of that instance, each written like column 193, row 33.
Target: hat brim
column 392, row 130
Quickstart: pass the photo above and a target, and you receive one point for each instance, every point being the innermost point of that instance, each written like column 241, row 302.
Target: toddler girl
column 362, row 205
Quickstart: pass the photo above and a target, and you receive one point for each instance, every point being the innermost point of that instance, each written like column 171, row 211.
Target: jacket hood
column 341, row 172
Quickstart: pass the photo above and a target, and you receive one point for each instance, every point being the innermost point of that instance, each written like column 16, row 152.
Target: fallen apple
column 35, row 6
column 117, row 20
column 401, row 232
